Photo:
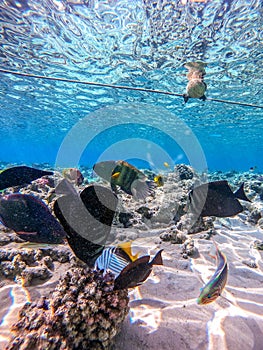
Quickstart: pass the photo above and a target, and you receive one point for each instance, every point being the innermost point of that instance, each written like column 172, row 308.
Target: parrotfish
column 86, row 218
column 20, row 175
column 216, row 199
column 129, row 178
column 30, row 218
column 136, row 272
column 214, row 287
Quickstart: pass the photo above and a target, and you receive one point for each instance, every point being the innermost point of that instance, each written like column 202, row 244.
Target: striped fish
column 214, row 287
column 115, row 259
column 129, row 178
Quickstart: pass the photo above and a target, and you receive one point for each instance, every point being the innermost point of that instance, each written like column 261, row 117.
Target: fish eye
column 208, row 296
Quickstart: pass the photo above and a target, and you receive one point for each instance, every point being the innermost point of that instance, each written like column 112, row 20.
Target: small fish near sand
column 196, row 86
column 131, row 180
column 216, row 199
column 74, row 175
column 86, row 218
column 20, row 175
column 30, row 218
column 214, row 287
column 136, row 272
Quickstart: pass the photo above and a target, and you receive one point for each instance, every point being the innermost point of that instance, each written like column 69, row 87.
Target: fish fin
column 141, row 189
column 230, row 301
column 157, row 260
column 240, row 194
column 116, row 175
column 186, row 97
column 22, row 233
column 126, row 247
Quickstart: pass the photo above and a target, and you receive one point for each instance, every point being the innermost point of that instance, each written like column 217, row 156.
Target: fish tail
column 240, row 194
column 142, row 188
column 157, row 260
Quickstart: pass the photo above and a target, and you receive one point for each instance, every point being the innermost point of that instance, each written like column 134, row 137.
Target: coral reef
column 83, row 313
column 29, row 265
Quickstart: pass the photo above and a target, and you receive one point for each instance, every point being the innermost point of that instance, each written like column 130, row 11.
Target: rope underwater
column 75, row 81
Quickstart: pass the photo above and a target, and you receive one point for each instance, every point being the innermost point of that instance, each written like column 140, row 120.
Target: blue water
column 138, row 43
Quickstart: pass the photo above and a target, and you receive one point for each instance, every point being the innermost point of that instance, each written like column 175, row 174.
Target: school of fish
column 84, row 219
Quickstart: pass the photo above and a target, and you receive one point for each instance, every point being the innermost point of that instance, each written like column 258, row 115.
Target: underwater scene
column 131, row 174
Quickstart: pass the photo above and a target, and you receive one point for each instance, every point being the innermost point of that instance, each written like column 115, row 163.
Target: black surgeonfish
column 20, row 175
column 130, row 179
column 86, row 218
column 216, row 199
column 30, row 218
column 136, row 272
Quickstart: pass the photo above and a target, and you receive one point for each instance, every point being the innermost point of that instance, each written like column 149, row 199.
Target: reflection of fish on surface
column 196, row 86
column 20, row 175
column 136, row 272
column 214, row 287
column 30, row 218
column 130, row 179
column 216, row 199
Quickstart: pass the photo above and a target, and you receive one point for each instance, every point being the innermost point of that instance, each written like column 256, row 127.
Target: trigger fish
column 214, row 287
column 130, row 179
column 30, row 218
column 216, row 199
column 20, row 175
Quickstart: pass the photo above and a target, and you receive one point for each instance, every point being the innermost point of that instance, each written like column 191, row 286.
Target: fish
column 158, row 179
column 167, row 165
column 30, row 218
column 196, row 86
column 86, row 218
column 115, row 259
column 136, row 272
column 74, row 175
column 216, row 199
column 214, row 287
column 131, row 180
column 20, row 175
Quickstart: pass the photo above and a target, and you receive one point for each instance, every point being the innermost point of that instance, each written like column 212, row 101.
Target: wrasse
column 214, row 287
column 130, row 179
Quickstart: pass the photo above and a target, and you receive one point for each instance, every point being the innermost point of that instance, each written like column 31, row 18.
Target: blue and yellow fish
column 158, row 179
column 214, row 287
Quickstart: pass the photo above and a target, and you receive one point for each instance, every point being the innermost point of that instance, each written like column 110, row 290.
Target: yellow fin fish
column 126, row 247
column 158, row 180
column 166, row 165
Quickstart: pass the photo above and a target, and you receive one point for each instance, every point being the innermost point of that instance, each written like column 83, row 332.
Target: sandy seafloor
column 163, row 311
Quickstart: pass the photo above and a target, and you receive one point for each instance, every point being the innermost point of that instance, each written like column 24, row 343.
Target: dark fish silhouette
column 86, row 218
column 20, row 175
column 130, row 179
column 137, row 271
column 30, row 218
column 216, row 199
